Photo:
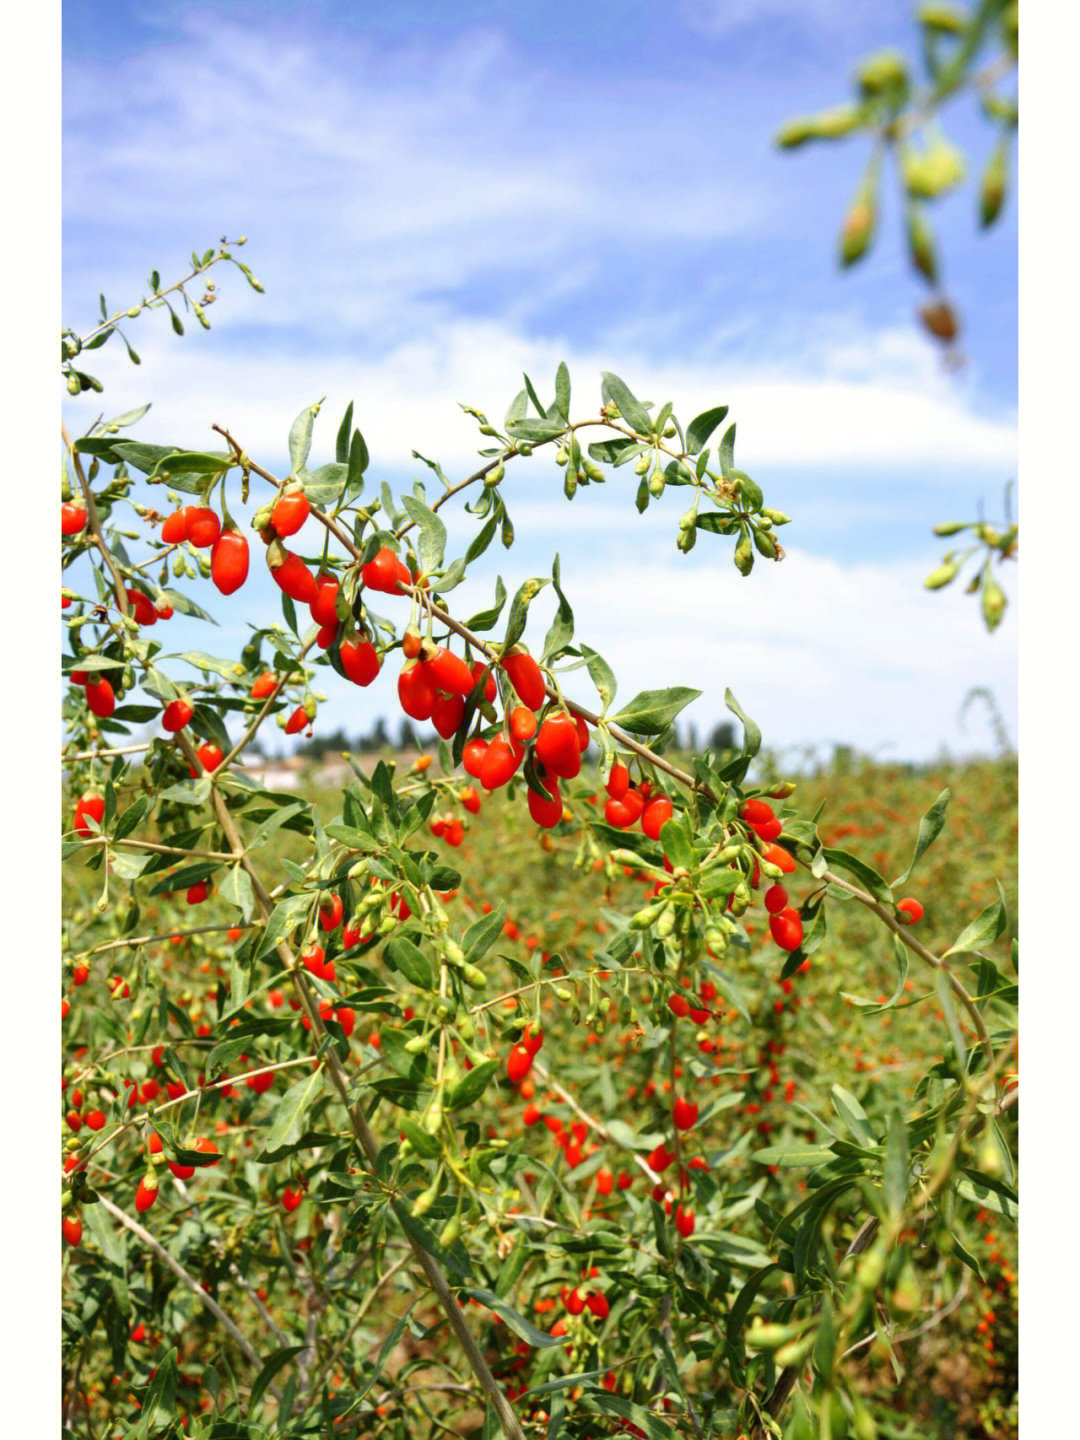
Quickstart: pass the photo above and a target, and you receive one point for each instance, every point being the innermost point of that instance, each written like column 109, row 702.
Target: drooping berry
column 416, row 693
column 229, row 561
column 385, row 572
column 90, row 806
column 684, row 1113
column 323, row 607
column 176, row 715
column 360, row 660
column 202, row 526
column 775, row 899
column 72, row 518
column 526, row 677
column 546, row 813
column 290, row 510
column 656, row 815
column 145, row 1195
column 786, row 929
column 295, row 579
column 557, row 745
column 100, row 697
column 174, row 529
column 331, row 912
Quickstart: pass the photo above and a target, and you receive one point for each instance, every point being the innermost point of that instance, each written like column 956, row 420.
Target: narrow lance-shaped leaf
column 652, row 711
column 983, row 930
column 288, row 1123
column 300, row 437
column 930, row 827
column 702, row 426
column 602, row 676
column 561, row 631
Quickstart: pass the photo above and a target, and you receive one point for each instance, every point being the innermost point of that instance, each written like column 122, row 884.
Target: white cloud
column 855, row 408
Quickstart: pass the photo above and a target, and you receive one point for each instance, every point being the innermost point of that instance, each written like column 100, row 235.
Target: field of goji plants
column 636, row 1167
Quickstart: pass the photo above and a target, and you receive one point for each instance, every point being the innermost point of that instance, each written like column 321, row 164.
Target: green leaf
column 288, row 1123
column 359, row 459
column 629, row 1411
column 615, row 452
column 324, row 485
column 411, row 961
column 702, row 427
column 132, row 452
column 210, row 663
column 794, row 1155
column 562, row 627
column 354, row 839
column 236, row 887
column 159, row 1397
column 562, row 390
column 300, row 437
column 980, row 1192
column 930, row 827
column 341, row 443
column 602, row 676
column 190, row 462
column 872, row 1007
column 482, row 934
column 270, row 1368
column 630, row 408
column 431, row 541
column 677, row 842
column 486, row 619
column 519, row 609
column 896, row 1166
column 751, row 732
column 735, row 1349
column 284, row 918
column 522, row 1328
column 535, row 432
column 652, row 711
column 386, row 1349
column 472, row 1085
column 983, row 930
column 727, row 451
column 853, row 1116
column 428, row 1146
column 865, row 874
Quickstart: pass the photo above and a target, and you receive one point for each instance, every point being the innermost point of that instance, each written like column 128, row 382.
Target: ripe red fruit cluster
column 761, row 818
column 627, row 804
column 911, row 911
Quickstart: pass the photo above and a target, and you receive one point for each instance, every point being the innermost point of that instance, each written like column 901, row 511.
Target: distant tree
column 722, row 736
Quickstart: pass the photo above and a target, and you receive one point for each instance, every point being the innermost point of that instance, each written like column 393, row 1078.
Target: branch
column 191, row 1283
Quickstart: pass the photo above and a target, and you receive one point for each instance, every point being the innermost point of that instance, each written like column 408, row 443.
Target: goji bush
column 320, row 1086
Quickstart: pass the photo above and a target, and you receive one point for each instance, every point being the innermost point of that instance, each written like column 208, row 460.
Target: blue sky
column 438, row 197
